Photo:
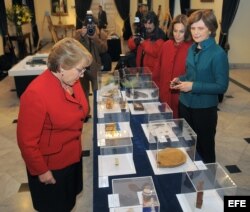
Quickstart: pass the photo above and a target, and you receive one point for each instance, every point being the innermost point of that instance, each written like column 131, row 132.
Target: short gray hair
column 67, row 53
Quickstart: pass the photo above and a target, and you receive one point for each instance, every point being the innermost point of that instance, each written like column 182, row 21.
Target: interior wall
column 239, row 52
column 133, row 8
column 216, row 6
column 43, row 7
column 164, row 8
column 115, row 22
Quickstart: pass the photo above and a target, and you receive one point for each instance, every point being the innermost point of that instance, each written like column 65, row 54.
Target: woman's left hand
column 47, row 178
column 184, row 86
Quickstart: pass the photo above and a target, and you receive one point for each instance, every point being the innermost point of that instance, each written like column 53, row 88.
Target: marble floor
column 232, row 145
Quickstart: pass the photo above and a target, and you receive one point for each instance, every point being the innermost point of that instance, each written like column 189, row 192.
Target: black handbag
column 106, row 61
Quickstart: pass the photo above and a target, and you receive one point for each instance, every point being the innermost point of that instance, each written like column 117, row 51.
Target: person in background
column 102, row 18
column 207, row 76
column 96, row 45
column 172, row 61
column 148, row 47
column 144, row 10
column 49, row 128
column 139, row 12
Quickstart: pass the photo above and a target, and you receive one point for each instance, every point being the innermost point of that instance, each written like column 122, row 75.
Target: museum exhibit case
column 204, row 190
column 134, row 194
column 173, row 146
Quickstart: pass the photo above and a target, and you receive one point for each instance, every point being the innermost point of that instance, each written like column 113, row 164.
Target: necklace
column 67, row 88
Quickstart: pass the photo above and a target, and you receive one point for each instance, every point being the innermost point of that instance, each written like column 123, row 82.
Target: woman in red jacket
column 172, row 61
column 52, row 111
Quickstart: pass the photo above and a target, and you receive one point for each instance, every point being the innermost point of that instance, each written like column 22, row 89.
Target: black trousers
column 59, row 197
column 203, row 121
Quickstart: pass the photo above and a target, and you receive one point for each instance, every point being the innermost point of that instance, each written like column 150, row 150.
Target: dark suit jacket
column 102, row 20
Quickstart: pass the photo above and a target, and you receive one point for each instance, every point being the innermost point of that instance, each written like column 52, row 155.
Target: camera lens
column 90, row 29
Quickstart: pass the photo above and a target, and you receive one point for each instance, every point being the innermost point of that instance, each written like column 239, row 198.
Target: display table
column 167, row 186
column 23, row 74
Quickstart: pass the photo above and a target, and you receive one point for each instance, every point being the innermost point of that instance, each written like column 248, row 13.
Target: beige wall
column 238, row 38
column 44, row 6
column 239, row 52
column 216, row 6
column 239, row 35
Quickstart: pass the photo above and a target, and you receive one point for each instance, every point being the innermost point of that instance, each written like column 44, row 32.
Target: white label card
column 113, row 200
column 200, row 165
column 103, row 182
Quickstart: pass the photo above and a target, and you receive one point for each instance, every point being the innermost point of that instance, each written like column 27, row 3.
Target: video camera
column 89, row 21
column 139, row 31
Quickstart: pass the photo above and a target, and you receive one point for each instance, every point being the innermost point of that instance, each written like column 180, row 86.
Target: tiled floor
column 232, row 145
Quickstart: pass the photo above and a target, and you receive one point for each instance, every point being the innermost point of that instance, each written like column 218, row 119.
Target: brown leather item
column 170, row 157
column 138, row 106
column 199, row 197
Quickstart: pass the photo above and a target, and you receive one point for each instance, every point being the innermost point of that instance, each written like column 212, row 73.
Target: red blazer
column 50, row 124
column 171, row 63
column 151, row 50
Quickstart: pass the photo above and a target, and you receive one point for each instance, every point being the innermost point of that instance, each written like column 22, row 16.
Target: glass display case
column 108, row 86
column 204, row 190
column 131, row 76
column 134, row 194
column 113, row 130
column 156, row 111
column 115, row 164
column 152, row 110
column 112, row 110
column 142, row 91
column 115, row 146
column 136, row 74
column 174, row 146
column 116, row 150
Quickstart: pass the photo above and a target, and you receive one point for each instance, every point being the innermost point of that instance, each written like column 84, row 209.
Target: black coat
column 102, row 20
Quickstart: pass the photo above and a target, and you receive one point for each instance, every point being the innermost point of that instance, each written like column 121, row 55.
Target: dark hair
column 152, row 18
column 208, row 17
column 179, row 19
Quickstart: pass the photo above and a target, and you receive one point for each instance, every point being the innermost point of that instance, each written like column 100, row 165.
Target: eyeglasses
column 81, row 71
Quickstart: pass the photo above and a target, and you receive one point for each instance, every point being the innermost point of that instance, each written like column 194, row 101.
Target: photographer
column 148, row 46
column 95, row 41
column 139, row 29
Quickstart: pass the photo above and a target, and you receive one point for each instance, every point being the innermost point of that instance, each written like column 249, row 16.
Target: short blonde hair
column 67, row 53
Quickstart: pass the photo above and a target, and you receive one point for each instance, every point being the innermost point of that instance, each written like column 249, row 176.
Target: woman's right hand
column 82, row 31
column 47, row 178
column 174, row 82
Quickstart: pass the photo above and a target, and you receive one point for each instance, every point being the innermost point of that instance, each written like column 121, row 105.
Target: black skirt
column 61, row 196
